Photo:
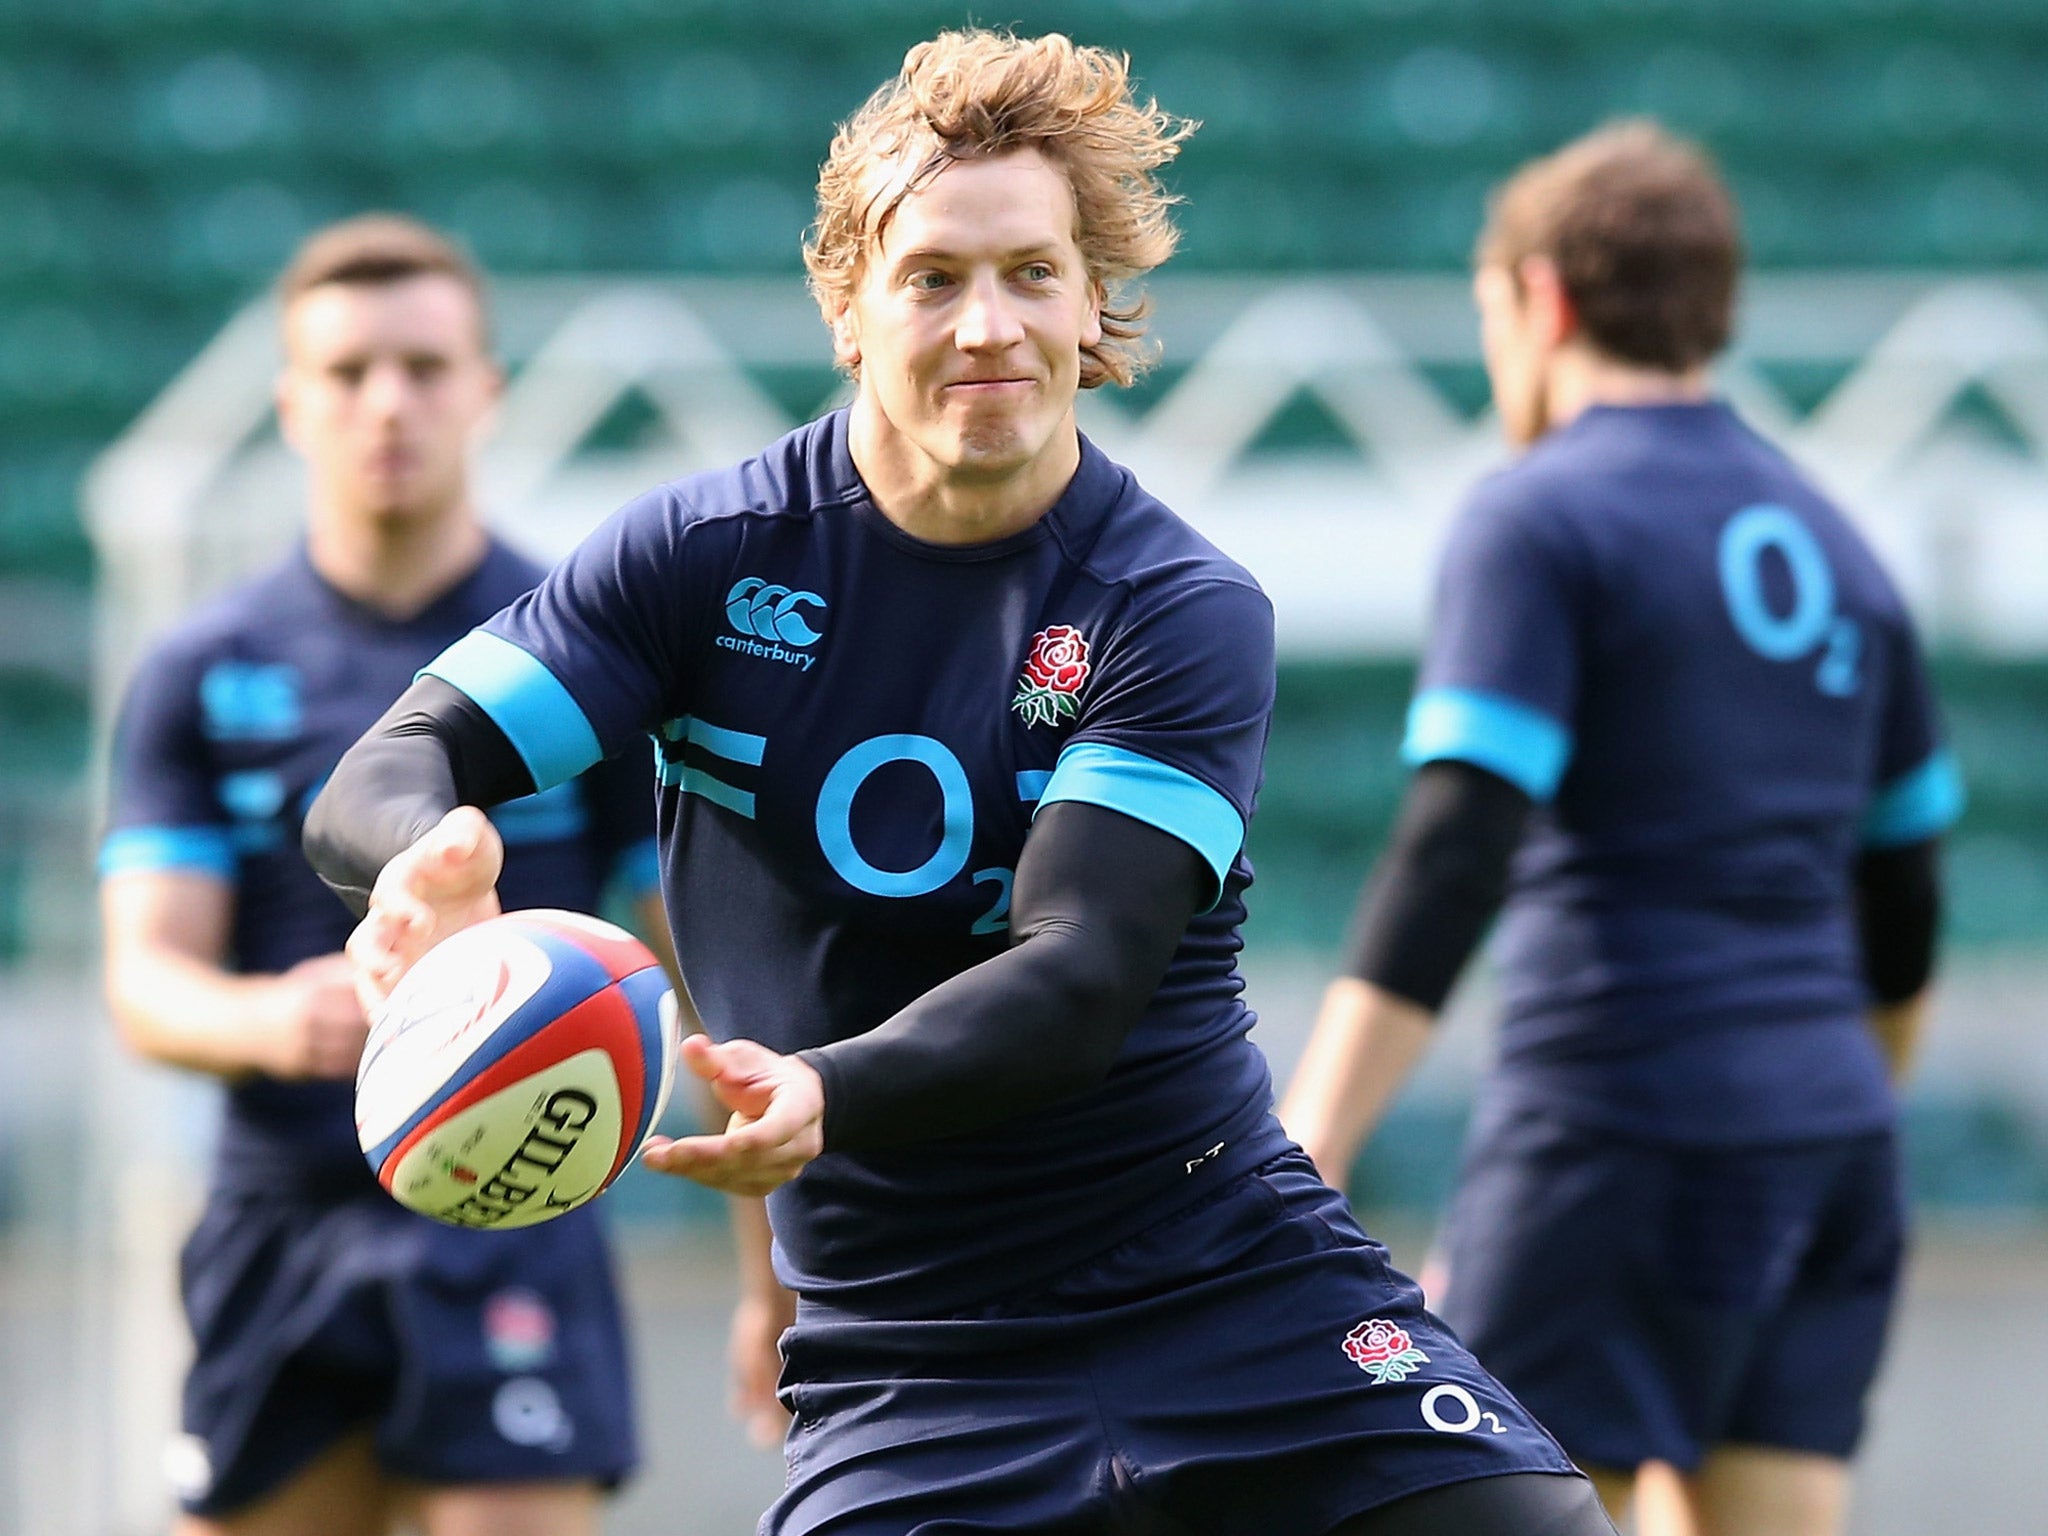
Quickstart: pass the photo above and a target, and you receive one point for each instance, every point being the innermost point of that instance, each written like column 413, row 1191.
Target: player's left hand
column 777, row 1124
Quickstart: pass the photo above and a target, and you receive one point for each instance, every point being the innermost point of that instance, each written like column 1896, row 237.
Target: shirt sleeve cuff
column 1175, row 802
column 1504, row 736
column 542, row 720
column 1916, row 805
column 157, row 850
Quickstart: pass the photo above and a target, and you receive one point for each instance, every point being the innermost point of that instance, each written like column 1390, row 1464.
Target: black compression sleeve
column 1898, row 913
column 433, row 750
column 1442, row 878
column 1098, row 906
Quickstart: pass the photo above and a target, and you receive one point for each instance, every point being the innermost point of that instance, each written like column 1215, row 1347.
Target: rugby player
column 959, row 732
column 1672, row 711
column 353, row 1359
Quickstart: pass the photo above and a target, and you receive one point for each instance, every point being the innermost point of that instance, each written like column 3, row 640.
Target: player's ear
column 845, row 338
column 1091, row 327
column 1551, row 313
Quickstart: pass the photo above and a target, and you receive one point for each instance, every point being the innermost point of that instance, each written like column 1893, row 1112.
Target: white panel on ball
column 446, row 1008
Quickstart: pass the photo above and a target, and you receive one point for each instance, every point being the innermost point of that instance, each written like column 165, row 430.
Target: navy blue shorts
column 1250, row 1363
column 475, row 1357
column 1652, row 1302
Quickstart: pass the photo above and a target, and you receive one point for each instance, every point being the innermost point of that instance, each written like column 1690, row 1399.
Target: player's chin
column 405, row 497
column 993, row 448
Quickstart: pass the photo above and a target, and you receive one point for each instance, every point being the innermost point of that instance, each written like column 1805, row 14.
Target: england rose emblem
column 1053, row 675
column 1383, row 1351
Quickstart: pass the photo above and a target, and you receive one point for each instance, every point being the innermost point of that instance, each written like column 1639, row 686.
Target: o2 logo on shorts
column 1812, row 622
column 1450, row 1410
column 527, row 1412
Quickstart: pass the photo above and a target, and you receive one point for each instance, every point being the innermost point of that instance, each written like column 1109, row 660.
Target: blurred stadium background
column 637, row 172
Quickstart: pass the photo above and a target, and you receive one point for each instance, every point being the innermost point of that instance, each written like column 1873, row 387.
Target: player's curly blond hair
column 977, row 92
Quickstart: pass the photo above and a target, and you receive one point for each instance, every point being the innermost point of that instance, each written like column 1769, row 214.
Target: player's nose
column 388, row 389
column 987, row 320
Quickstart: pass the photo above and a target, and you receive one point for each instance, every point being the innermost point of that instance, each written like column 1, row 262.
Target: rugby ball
column 516, row 1069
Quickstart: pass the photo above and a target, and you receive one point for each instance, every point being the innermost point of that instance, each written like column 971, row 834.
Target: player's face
column 384, row 389
column 1513, row 340
column 969, row 317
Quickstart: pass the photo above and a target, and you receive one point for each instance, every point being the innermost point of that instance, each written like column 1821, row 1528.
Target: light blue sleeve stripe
column 529, row 703
column 638, row 869
column 1915, row 806
column 1151, row 792
column 1031, row 783
column 150, row 850
column 1488, row 730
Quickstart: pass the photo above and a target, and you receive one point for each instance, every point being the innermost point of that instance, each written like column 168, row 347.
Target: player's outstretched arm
column 432, row 751
column 176, row 1002
column 1420, row 917
column 397, row 833
column 1099, row 904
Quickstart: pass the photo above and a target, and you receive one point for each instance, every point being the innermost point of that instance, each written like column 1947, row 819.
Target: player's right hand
column 320, row 1027
column 776, row 1125
column 440, row 885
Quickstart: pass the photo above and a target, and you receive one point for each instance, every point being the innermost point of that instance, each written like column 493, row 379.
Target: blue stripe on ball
column 643, row 991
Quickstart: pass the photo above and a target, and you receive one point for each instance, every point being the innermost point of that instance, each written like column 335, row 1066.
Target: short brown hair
column 1644, row 236
column 977, row 92
column 375, row 248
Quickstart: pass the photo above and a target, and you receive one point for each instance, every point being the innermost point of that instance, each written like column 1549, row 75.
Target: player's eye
column 928, row 281
column 350, row 374
column 425, row 370
column 1037, row 272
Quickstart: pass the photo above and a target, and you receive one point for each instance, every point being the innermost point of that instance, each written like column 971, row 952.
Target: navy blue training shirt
column 854, row 729
column 1694, row 665
column 230, row 726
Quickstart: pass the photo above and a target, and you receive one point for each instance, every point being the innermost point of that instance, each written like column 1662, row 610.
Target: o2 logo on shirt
column 835, row 825
column 1812, row 624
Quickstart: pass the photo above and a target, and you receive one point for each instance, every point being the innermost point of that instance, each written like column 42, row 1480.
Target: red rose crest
column 1383, row 1351
column 1053, row 675
column 519, row 1330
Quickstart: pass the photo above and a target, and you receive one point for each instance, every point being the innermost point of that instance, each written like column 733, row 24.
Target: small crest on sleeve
column 1049, row 689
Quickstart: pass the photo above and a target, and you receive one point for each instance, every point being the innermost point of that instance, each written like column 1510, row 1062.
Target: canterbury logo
column 769, row 612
